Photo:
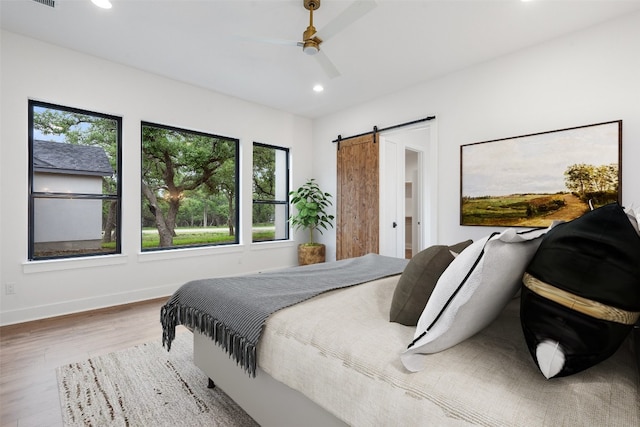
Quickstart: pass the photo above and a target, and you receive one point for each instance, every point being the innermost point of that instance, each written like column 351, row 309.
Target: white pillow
column 472, row 292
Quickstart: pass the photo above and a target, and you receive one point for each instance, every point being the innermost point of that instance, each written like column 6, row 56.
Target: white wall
column 588, row 77
column 35, row 70
column 585, row 78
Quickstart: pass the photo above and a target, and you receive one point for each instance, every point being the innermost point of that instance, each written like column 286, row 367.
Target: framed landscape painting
column 533, row 180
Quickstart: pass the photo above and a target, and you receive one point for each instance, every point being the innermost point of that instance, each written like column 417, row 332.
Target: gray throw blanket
column 233, row 310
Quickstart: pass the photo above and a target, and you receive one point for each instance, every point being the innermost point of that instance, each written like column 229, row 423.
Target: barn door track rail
column 375, row 130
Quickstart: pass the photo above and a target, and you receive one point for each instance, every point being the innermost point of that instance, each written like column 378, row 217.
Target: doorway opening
column 412, row 209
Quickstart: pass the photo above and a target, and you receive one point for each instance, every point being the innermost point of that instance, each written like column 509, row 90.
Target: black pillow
column 581, row 293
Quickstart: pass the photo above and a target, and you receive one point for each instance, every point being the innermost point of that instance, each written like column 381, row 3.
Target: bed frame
column 272, row 403
column 267, row 401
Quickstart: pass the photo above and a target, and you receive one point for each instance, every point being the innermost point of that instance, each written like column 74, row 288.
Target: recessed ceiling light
column 318, row 88
column 104, row 4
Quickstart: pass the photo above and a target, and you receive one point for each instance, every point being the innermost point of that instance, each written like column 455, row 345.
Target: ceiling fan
column 312, row 39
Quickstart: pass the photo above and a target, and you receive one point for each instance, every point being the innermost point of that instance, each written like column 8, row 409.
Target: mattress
column 340, row 350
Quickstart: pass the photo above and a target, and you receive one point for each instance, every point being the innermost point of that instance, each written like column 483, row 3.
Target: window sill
column 162, row 255
column 271, row 244
column 73, row 263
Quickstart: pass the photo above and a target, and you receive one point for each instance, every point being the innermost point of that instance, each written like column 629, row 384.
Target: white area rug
column 145, row 386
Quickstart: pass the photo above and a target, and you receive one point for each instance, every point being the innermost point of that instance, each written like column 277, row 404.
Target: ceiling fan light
column 311, row 47
column 104, row 4
column 310, row 50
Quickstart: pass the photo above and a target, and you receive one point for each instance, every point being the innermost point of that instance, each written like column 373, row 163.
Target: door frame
column 426, row 145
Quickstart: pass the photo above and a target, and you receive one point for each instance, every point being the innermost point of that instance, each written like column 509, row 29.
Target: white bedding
column 340, row 350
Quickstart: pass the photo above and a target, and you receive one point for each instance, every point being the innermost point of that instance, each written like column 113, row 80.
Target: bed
column 336, row 358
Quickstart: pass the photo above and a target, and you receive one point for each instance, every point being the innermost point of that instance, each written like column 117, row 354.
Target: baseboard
column 64, row 308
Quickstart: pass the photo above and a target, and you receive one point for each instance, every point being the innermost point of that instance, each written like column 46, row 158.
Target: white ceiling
column 217, row 44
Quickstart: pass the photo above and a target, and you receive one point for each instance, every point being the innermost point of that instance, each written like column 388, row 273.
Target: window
column 270, row 193
column 189, row 188
column 74, row 185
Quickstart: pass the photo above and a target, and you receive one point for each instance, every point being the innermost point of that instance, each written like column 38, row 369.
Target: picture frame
column 535, row 179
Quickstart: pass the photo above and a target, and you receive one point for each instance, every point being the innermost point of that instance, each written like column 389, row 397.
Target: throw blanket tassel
column 238, row 348
column 169, row 322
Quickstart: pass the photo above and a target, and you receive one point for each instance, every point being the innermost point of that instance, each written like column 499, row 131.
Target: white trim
column 430, row 188
column 271, row 244
column 188, row 252
column 84, row 304
column 73, row 263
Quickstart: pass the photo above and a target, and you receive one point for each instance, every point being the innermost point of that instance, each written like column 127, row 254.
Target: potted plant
column 311, row 204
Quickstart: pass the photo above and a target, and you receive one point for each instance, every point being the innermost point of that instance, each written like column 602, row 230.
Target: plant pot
column 311, row 254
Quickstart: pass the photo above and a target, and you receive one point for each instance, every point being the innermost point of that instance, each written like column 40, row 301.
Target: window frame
column 236, row 201
column 285, row 202
column 35, row 195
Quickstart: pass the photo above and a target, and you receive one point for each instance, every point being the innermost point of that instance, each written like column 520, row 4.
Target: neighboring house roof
column 60, row 157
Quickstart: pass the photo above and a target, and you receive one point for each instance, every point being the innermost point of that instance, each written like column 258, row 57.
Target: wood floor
column 30, row 352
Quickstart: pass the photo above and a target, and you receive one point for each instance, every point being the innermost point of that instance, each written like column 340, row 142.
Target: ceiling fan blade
column 352, row 13
column 329, row 68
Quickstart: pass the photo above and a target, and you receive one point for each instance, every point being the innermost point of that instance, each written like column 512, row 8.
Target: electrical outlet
column 10, row 288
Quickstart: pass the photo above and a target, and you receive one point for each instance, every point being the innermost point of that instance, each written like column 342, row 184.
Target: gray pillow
column 418, row 280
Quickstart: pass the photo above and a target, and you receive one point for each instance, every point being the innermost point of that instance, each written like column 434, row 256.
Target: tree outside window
column 74, row 185
column 189, row 188
column 270, row 193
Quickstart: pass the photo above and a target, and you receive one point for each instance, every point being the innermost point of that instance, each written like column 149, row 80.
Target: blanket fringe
column 236, row 346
